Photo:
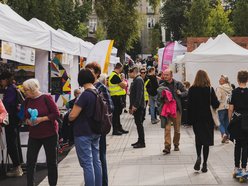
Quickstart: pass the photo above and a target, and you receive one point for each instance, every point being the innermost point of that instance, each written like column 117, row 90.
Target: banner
column 167, row 56
column 18, row 53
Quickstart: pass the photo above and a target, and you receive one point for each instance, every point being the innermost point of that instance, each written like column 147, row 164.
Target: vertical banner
column 107, row 60
column 167, row 55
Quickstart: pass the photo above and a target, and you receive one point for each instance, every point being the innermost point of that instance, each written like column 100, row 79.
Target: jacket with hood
column 223, row 93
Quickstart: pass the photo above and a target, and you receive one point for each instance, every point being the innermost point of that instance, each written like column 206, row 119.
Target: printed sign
column 18, row 53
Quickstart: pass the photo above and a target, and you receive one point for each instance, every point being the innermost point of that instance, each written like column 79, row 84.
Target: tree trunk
column 121, row 53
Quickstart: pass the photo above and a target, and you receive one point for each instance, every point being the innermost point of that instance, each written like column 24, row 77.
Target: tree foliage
column 240, row 14
column 100, row 33
column 218, row 21
column 173, row 17
column 65, row 14
column 122, row 22
column 197, row 24
column 155, row 39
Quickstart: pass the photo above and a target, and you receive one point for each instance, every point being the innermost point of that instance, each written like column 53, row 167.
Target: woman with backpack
column 85, row 139
column 12, row 130
column 223, row 92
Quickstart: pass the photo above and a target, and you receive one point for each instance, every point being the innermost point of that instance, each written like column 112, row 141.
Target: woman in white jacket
column 223, row 93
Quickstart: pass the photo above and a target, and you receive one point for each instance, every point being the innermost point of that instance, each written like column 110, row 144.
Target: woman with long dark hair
column 201, row 97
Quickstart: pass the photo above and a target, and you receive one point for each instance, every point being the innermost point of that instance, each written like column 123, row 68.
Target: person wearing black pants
column 238, row 107
column 50, row 145
column 200, row 97
column 12, row 130
column 137, row 105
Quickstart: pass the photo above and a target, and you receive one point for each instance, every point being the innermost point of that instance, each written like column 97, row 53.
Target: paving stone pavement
column 148, row 166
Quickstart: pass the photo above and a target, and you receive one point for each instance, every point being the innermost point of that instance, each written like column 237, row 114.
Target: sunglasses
column 142, row 72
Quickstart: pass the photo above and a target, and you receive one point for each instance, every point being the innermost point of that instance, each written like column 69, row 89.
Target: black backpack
column 102, row 118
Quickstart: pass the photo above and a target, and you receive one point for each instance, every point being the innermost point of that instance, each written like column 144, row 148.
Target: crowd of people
column 170, row 103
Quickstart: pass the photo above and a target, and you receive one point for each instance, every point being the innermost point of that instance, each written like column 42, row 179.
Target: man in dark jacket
column 137, row 104
column 178, row 90
column 152, row 91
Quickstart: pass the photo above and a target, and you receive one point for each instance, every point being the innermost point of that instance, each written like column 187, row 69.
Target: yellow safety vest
column 146, row 95
column 115, row 89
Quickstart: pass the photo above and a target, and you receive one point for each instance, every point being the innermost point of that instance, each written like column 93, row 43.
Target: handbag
column 214, row 113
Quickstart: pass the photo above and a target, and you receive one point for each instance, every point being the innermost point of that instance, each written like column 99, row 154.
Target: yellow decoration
column 107, row 59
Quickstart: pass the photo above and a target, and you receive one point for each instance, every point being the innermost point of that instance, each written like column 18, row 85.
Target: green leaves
column 68, row 15
column 240, row 14
column 218, row 21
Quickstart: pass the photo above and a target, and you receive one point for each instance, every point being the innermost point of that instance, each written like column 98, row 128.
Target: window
column 149, row 9
column 150, row 22
column 92, row 25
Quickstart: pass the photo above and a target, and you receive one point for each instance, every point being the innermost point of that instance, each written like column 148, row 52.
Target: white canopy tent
column 172, row 50
column 220, row 56
column 17, row 30
column 59, row 43
column 85, row 47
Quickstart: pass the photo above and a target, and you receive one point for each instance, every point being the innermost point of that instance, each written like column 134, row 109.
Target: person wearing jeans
column 85, row 139
column 153, row 105
column 87, row 148
column 223, row 92
column 152, row 91
column 224, row 122
column 100, row 85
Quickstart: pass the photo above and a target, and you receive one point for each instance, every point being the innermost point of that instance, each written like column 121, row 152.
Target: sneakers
column 155, row 121
column 15, row 172
column 197, row 164
column 224, row 138
column 237, row 172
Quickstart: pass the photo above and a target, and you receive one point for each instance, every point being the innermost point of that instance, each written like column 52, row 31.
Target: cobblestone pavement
column 148, row 166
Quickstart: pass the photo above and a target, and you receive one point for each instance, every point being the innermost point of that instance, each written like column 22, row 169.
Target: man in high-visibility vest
column 117, row 90
column 146, row 95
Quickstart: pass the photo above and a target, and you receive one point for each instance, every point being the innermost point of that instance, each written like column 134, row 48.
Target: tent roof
column 203, row 45
column 85, row 47
column 221, row 49
column 60, row 43
column 16, row 29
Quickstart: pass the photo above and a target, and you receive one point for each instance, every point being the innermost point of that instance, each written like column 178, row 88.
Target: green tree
column 173, row 17
column 68, row 15
column 122, row 22
column 218, row 21
column 155, row 39
column 100, row 33
column 240, row 14
column 197, row 24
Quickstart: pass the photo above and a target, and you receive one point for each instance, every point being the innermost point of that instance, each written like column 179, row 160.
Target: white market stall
column 220, row 56
column 64, row 52
column 74, row 67
column 24, row 43
column 169, row 53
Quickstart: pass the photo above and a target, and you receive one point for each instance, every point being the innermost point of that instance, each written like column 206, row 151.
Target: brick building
column 194, row 42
